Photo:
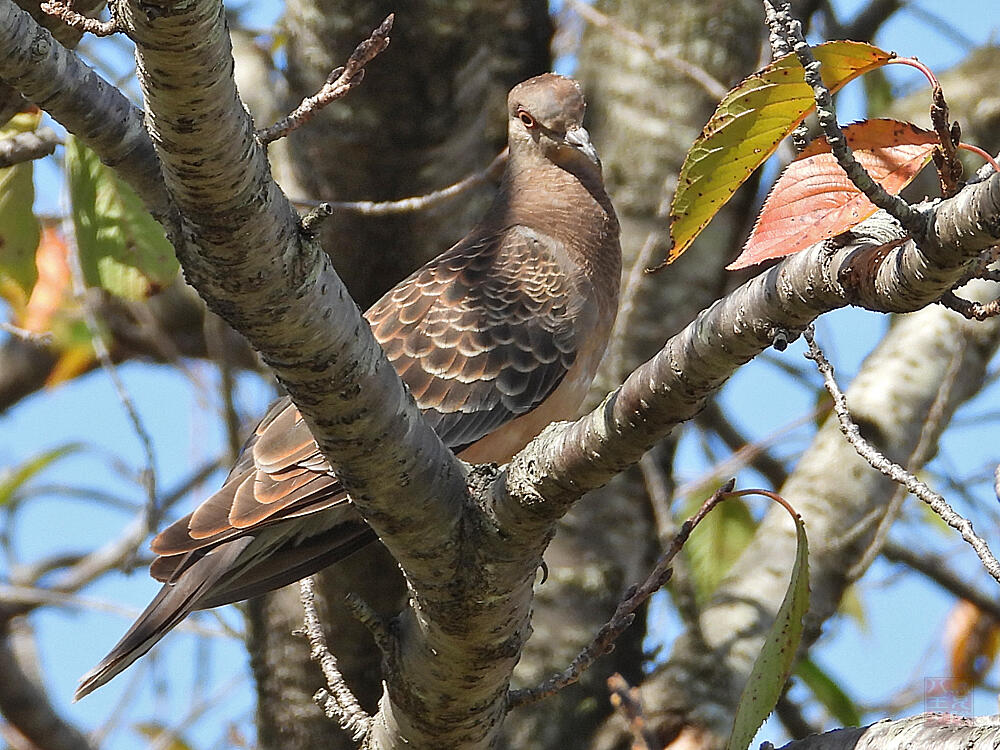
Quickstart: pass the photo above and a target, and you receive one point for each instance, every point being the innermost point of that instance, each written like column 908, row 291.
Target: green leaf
column 774, row 662
column 828, row 693
column 19, row 228
column 719, row 539
column 13, row 479
column 122, row 248
column 747, row 127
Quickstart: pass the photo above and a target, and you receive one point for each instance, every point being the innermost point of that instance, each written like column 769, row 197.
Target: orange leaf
column 747, row 127
column 52, row 288
column 814, row 199
column 971, row 637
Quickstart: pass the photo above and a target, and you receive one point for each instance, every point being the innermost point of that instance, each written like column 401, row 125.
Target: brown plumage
column 496, row 338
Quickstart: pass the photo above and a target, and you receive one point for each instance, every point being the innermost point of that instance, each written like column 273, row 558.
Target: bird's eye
column 526, row 119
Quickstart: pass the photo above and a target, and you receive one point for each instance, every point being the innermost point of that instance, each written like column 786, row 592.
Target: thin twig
column 338, row 84
column 148, row 474
column 168, row 737
column 65, row 13
column 746, row 453
column 628, row 306
column 337, row 700
column 949, row 167
column 924, row 449
column 780, row 47
column 635, row 597
column 22, row 147
column 98, row 562
column 695, row 73
column 783, row 24
column 364, row 613
column 43, row 339
column 419, row 202
column 971, row 309
column 892, row 470
column 661, row 492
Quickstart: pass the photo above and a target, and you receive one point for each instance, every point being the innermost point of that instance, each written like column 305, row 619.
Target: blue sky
column 180, row 411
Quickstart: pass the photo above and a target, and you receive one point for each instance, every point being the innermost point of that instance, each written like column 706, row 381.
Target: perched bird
column 496, row 338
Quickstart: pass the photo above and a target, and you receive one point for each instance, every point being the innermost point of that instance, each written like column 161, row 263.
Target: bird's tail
column 171, row 605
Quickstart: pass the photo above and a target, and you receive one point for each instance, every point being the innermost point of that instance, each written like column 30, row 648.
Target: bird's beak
column 579, row 139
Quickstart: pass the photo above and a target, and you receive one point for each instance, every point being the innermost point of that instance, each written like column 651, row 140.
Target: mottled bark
column 942, row 732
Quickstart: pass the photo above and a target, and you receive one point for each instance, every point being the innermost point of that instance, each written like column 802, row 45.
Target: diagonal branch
column 247, row 256
column 338, row 84
column 82, row 102
column 568, row 460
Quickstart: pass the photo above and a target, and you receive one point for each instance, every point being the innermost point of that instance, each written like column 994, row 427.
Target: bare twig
column 214, row 328
column 949, row 167
column 148, row 475
column 894, row 471
column 868, row 20
column 780, row 46
column 25, row 705
column 941, row 25
column 65, row 13
column 90, row 566
column 783, row 24
column 364, row 613
column 419, row 202
column 628, row 304
column 971, row 309
column 922, row 452
column 635, row 597
column 695, row 73
column 337, row 700
column 23, row 147
column 170, row 737
column 338, row 84
column 625, row 699
column 36, row 338
column 746, row 453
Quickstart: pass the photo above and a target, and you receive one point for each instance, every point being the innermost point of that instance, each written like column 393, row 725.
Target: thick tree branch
column 245, row 254
column 941, row 731
column 867, row 268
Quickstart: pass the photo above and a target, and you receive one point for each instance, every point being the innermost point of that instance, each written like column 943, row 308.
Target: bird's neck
column 568, row 204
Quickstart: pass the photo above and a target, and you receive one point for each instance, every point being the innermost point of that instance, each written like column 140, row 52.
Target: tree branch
column 82, row 102
column 568, row 460
column 940, row 731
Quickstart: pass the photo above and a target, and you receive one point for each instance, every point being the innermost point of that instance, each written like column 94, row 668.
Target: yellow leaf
column 747, row 127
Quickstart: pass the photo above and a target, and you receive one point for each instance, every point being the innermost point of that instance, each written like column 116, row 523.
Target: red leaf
column 814, row 200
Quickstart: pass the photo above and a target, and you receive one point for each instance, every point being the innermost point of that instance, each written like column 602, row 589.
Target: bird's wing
column 481, row 335
column 484, row 334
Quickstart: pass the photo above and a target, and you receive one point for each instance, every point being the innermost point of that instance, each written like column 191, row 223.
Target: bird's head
column 545, row 114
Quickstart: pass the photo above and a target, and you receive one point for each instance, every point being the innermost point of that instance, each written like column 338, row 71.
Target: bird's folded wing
column 481, row 335
column 485, row 333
